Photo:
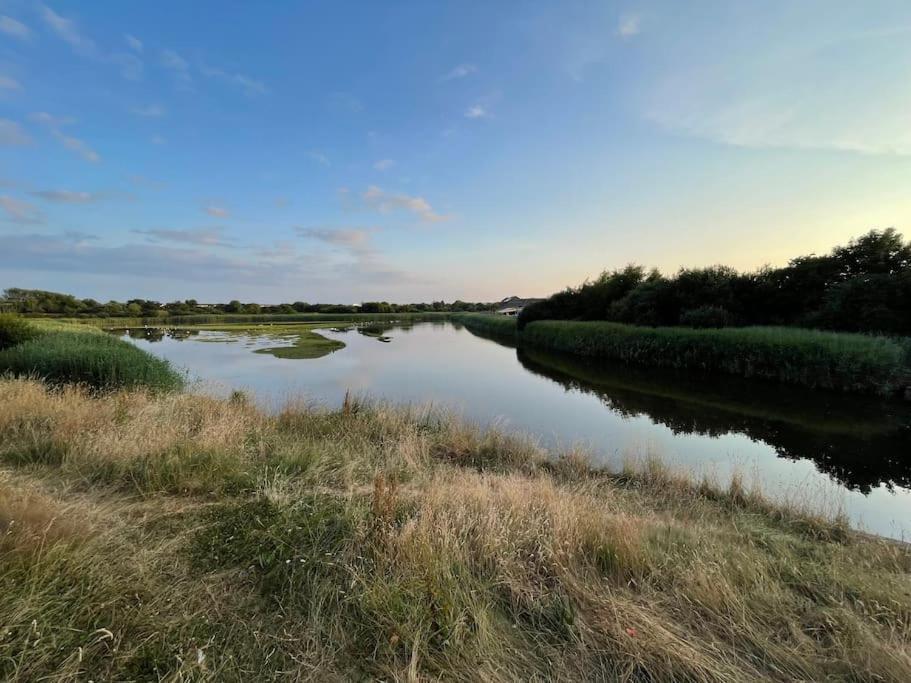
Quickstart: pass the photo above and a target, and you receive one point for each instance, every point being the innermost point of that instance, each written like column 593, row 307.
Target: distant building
column 513, row 305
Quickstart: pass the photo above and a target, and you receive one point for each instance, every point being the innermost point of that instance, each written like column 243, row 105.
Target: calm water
column 832, row 451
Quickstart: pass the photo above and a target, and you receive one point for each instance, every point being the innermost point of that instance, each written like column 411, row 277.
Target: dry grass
column 179, row 538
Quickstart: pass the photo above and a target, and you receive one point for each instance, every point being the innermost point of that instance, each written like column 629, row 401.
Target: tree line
column 40, row 302
column 864, row 286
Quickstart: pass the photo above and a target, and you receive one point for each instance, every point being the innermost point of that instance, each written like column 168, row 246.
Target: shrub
column 97, row 360
column 14, row 330
column 706, row 316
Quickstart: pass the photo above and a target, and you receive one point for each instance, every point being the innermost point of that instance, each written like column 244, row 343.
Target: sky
column 335, row 151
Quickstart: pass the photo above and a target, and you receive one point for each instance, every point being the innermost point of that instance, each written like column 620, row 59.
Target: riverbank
column 174, row 535
column 818, row 360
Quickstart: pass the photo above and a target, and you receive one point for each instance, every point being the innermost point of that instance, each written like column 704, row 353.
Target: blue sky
column 349, row 151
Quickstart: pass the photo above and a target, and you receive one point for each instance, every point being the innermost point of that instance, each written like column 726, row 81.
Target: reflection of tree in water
column 861, row 442
column 155, row 334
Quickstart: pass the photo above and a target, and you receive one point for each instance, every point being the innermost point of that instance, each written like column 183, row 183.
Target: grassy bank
column 61, row 354
column 810, row 358
column 177, row 537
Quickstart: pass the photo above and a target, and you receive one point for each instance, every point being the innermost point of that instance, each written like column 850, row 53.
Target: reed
column 816, row 359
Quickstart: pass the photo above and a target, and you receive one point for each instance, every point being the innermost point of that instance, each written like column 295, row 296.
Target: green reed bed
column 97, row 360
column 811, row 358
column 489, row 323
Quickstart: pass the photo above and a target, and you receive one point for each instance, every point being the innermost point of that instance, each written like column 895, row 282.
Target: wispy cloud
column 355, row 239
column 11, row 133
column 358, row 259
column 344, row 102
column 460, row 71
column 629, row 25
column 18, row 211
column 383, row 164
column 377, row 199
column 78, row 146
column 217, row 211
column 46, row 119
column 133, row 42
column 67, row 196
column 9, row 83
column 791, row 99
column 73, row 144
column 151, row 111
column 179, row 66
column 209, row 237
column 68, row 31
column 158, row 140
column 319, row 157
column 131, row 67
column 14, row 28
column 250, row 86
column 477, row 111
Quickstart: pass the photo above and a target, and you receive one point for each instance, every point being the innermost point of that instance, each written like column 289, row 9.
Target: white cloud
column 68, row 31
column 209, row 237
column 11, row 133
column 217, row 211
column 151, row 111
column 133, row 42
column 376, row 199
column 460, row 71
column 78, row 146
column 384, row 164
column 629, row 25
column 476, row 111
column 67, row 196
column 19, row 211
column 250, row 86
column 158, row 140
column 9, row 83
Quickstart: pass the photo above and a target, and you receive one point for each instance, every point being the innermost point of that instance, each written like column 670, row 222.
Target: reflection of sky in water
column 485, row 382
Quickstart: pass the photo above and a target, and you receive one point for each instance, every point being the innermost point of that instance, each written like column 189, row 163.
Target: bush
column 706, row 316
column 96, row 360
column 14, row 330
column 864, row 286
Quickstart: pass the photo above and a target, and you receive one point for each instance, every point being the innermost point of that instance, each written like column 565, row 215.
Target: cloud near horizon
column 18, row 211
column 209, row 237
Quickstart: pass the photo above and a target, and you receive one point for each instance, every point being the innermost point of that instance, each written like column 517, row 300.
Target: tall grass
column 384, row 543
column 810, row 358
column 96, row 360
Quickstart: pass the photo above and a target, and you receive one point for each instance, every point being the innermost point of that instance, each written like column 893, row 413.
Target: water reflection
column 839, row 450
column 862, row 443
